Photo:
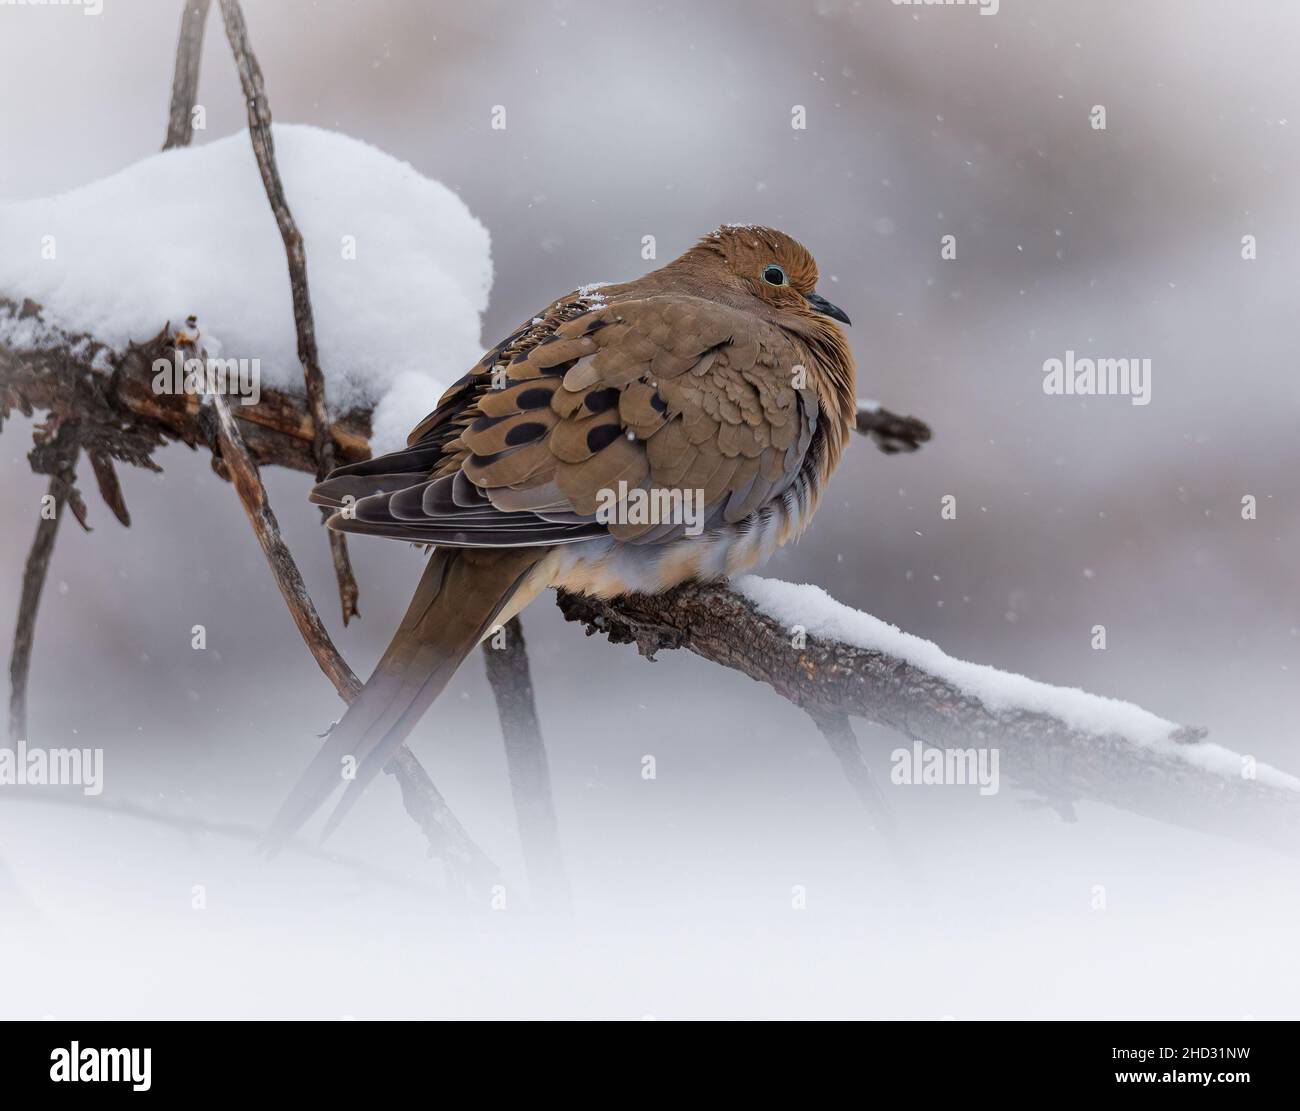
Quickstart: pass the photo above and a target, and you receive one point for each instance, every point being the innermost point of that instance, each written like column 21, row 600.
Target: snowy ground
column 103, row 925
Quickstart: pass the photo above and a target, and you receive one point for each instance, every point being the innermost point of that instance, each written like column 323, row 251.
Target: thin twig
column 61, row 461
column 101, row 463
column 185, row 83
column 248, row 485
column 890, row 432
column 426, row 806
column 506, row 657
column 196, row 825
column 422, row 800
column 838, row 731
column 259, row 131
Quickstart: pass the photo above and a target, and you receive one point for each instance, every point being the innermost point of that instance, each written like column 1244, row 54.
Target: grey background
column 667, row 119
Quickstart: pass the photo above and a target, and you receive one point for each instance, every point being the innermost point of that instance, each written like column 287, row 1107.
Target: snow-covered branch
column 1063, row 744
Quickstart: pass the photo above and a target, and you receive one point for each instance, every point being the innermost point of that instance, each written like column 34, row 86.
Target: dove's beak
column 826, row 308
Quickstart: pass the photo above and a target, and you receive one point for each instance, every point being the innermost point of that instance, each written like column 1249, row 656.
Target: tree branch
column 1038, row 750
column 242, row 471
column 259, row 131
column 890, row 432
column 111, row 397
column 60, row 463
column 195, row 826
column 422, row 800
column 105, row 403
column 185, row 83
column 506, row 658
column 838, row 731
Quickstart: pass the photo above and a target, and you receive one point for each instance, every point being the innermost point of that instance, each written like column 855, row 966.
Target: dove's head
column 765, row 272
column 775, row 270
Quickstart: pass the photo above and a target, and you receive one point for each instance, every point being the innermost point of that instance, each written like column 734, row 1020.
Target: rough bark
column 113, row 402
column 1039, row 753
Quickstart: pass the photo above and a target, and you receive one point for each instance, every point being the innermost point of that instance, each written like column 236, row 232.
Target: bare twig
column 259, row 130
column 890, row 432
column 101, row 463
column 185, row 83
column 838, row 731
column 422, row 800
column 196, row 825
column 446, row 836
column 420, row 796
column 506, row 658
column 61, row 465
column 248, row 485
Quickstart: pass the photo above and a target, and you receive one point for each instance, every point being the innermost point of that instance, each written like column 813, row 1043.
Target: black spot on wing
column 536, row 398
column 597, row 401
column 483, row 423
column 525, row 433
column 602, row 436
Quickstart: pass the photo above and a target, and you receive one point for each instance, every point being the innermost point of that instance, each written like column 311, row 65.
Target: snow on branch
column 1063, row 744
column 397, row 288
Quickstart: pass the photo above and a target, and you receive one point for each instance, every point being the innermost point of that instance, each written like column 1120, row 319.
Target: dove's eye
column 774, row 275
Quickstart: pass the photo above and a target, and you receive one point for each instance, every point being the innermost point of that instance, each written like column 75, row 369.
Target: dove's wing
column 667, row 393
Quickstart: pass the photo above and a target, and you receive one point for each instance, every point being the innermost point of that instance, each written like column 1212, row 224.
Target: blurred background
column 666, row 119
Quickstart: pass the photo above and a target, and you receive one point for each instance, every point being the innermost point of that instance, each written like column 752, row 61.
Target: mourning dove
column 629, row 437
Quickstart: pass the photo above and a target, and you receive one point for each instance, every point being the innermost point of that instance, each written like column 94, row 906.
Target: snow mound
column 398, row 267
column 822, row 616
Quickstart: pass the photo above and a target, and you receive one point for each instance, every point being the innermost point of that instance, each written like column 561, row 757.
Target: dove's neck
column 830, row 364
column 834, row 377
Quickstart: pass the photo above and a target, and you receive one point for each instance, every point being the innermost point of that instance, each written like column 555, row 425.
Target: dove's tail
column 461, row 595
